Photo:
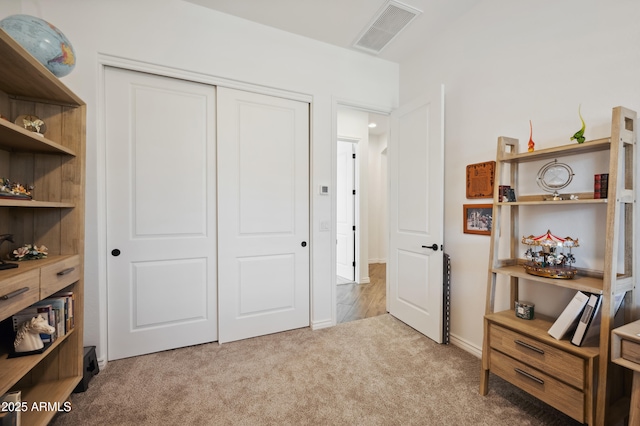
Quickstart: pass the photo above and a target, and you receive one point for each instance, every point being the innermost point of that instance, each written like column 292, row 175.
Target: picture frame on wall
column 477, row 219
column 480, row 179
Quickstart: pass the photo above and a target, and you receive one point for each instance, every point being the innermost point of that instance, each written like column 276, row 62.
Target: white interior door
column 416, row 161
column 161, row 213
column 263, row 212
column 345, row 214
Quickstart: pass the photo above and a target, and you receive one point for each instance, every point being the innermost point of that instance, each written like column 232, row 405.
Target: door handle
column 115, row 252
column 433, row 247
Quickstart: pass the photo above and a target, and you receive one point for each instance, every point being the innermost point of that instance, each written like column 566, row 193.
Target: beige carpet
column 375, row 371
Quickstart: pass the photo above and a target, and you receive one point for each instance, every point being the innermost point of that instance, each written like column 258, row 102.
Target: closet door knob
column 115, row 252
column 304, row 244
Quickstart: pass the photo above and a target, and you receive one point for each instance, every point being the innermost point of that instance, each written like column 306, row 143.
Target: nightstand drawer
column 19, row 292
column 630, row 351
column 553, row 361
column 555, row 393
column 59, row 275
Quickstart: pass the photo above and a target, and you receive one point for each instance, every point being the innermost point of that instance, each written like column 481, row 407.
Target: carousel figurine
column 550, row 256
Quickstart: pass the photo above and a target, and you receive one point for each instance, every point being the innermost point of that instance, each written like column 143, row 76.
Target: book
column 69, row 299
column 593, row 330
column 12, row 407
column 600, row 185
column 568, row 319
column 589, row 312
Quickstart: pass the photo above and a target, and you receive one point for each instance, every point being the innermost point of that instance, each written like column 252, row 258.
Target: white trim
column 105, row 60
column 129, row 64
column 466, row 346
column 318, row 325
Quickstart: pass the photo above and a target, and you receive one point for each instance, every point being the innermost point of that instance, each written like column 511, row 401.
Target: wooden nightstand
column 625, row 351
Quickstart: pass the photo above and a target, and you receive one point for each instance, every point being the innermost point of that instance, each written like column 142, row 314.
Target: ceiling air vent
column 390, row 20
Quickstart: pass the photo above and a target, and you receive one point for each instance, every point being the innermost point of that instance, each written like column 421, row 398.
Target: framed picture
column 480, row 178
column 478, row 218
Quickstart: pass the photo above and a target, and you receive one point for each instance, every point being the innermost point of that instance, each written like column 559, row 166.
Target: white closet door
column 263, row 213
column 161, row 213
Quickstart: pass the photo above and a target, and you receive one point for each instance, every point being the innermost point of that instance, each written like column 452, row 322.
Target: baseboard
column 466, row 346
column 102, row 363
column 317, row 325
column 376, row 261
column 364, row 280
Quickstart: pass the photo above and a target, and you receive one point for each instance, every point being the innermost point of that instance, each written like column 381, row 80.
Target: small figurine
column 28, row 335
column 3, row 264
column 579, row 135
column 531, row 143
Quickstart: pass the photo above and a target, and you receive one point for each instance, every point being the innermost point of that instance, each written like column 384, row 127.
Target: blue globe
column 42, row 40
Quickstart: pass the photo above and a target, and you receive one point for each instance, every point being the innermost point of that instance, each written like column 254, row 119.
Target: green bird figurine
column 579, row 135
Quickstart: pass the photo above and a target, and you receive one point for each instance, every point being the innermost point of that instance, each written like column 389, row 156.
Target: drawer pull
column 529, row 376
column 528, row 346
column 66, row 271
column 14, row 293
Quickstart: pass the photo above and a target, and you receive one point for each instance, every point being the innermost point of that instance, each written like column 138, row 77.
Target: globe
column 43, row 41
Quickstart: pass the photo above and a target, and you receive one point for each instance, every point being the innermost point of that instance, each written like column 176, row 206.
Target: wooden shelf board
column 15, row 138
column 558, row 151
column 54, row 391
column 12, row 369
column 22, row 75
column 538, row 328
column 34, row 204
column 579, row 282
column 538, row 200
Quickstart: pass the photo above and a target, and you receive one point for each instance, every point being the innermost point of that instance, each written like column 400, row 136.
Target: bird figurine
column 579, row 135
column 531, row 143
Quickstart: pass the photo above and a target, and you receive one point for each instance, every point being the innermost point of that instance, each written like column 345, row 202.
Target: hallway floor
column 358, row 301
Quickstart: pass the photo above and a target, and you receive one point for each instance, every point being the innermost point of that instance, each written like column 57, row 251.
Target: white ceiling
column 340, row 22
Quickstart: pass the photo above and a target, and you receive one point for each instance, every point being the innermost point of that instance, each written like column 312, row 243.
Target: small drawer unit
column 58, row 275
column 18, row 292
column 554, row 371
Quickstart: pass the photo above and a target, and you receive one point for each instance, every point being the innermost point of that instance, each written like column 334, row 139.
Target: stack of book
column 601, row 185
column 57, row 310
column 12, row 407
column 581, row 318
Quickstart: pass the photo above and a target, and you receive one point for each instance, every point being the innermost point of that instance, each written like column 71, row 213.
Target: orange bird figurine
column 531, row 143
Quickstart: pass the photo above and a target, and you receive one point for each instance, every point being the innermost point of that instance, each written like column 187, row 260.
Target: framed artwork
column 478, row 218
column 480, row 178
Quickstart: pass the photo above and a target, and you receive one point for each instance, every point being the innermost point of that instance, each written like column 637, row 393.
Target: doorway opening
column 361, row 192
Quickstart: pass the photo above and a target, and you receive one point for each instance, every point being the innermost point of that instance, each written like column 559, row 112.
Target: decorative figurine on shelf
column 28, row 335
column 531, row 143
column 3, row 264
column 13, row 190
column 579, row 135
column 32, row 123
column 551, row 260
column 30, row 252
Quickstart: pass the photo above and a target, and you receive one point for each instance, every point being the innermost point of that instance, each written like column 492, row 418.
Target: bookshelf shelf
column 578, row 283
column 584, row 372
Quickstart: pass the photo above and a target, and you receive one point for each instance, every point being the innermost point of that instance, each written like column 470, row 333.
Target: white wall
column 192, row 39
column 506, row 63
column 378, row 208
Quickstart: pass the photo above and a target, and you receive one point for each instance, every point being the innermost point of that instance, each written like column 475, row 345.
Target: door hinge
column 354, row 227
column 353, row 156
column 354, row 264
column 354, row 192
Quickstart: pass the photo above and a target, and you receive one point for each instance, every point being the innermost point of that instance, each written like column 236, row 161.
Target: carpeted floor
column 375, row 371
